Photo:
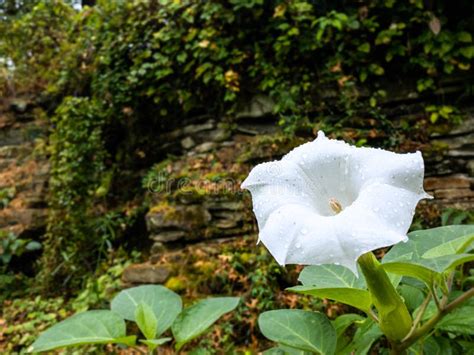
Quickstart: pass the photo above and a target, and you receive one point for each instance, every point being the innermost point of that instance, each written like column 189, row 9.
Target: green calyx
column 394, row 319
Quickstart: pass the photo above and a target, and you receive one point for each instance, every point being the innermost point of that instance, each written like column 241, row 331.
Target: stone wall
column 23, row 168
column 450, row 175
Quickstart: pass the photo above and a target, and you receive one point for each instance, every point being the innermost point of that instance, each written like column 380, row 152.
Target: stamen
column 335, row 205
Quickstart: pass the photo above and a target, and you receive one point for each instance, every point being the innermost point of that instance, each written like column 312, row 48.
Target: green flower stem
column 419, row 316
column 394, row 319
column 435, row 297
column 429, row 325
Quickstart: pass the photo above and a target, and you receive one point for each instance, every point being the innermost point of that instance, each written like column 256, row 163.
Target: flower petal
column 276, row 184
column 296, row 235
column 394, row 206
column 325, row 164
column 402, row 170
column 293, row 201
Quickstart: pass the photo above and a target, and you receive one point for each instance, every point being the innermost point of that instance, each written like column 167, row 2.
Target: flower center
column 335, row 205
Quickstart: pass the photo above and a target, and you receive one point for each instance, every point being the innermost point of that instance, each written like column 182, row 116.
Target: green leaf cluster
column 190, row 56
column 430, row 254
column 427, row 272
column 154, row 309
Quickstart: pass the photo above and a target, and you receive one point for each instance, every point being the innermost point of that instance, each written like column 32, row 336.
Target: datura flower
column 327, row 202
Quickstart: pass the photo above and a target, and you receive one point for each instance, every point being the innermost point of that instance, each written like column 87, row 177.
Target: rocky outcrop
column 145, row 274
column 23, row 168
column 191, row 222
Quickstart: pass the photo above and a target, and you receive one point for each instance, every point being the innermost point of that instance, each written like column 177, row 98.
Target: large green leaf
column 427, row 270
column 335, row 282
column 330, row 276
column 429, row 253
column 443, row 263
column 195, row 320
column 92, row 327
column 354, row 297
column 455, row 246
column 411, row 269
column 422, row 241
column 309, row 331
column 166, row 304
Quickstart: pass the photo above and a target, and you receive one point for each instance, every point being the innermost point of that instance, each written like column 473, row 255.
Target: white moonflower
column 327, row 202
